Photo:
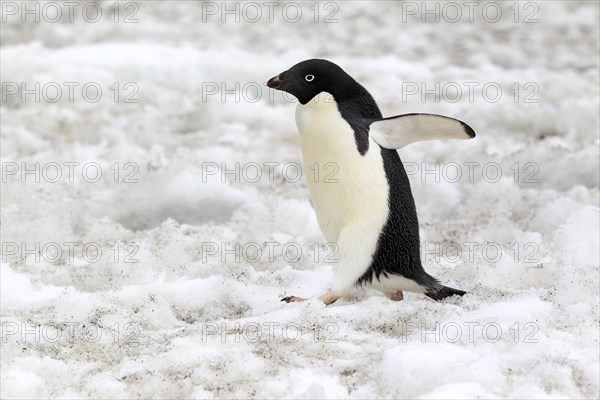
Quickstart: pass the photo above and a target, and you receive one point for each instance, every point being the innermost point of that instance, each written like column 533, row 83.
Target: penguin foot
column 327, row 298
column 398, row 296
column 293, row 299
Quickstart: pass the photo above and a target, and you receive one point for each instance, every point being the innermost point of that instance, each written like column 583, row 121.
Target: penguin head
column 308, row 78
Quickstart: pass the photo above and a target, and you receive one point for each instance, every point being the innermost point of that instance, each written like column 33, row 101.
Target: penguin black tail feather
column 444, row 292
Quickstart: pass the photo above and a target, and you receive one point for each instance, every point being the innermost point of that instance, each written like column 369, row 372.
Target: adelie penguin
column 369, row 212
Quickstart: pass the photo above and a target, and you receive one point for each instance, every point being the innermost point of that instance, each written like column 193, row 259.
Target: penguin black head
column 308, row 78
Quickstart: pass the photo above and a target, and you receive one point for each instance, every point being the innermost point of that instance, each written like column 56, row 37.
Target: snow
column 129, row 284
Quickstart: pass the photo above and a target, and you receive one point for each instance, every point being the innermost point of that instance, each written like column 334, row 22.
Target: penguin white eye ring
column 370, row 212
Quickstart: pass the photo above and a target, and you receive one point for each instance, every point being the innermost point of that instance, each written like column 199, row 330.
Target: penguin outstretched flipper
column 401, row 130
column 444, row 292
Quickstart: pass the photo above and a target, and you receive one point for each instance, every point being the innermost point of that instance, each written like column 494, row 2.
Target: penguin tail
column 444, row 292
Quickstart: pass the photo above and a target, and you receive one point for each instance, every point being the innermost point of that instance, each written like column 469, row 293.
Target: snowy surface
column 167, row 312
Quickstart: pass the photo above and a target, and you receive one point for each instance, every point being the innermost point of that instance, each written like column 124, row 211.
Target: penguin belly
column 350, row 192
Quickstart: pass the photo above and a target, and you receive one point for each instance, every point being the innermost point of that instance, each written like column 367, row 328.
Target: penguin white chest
column 345, row 187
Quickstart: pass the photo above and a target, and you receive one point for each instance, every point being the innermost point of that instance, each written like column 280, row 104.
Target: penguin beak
column 275, row 83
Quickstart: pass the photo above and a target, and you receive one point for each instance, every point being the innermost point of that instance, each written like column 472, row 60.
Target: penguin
column 367, row 209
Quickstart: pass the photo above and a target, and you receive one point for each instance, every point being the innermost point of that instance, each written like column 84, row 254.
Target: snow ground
column 167, row 311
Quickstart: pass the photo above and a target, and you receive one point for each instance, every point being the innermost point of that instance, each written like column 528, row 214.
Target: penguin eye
column 309, row 78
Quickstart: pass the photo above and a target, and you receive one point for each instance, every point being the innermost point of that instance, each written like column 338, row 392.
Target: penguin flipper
column 401, row 130
column 444, row 292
